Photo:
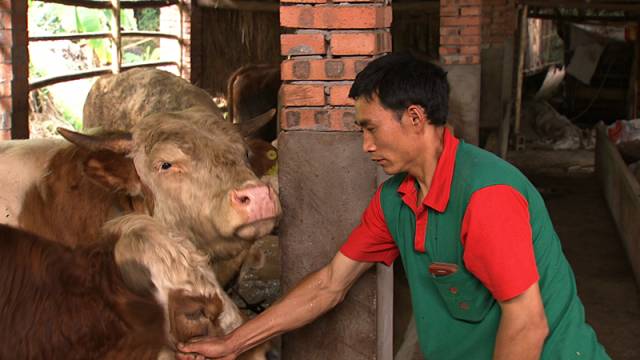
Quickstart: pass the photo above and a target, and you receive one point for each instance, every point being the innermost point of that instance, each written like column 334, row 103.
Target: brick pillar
column 326, row 180
column 499, row 20
column 184, row 21
column 460, row 41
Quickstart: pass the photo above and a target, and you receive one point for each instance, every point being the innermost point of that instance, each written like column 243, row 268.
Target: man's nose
column 367, row 143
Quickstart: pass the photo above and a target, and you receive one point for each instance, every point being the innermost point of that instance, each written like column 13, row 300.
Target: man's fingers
column 194, row 347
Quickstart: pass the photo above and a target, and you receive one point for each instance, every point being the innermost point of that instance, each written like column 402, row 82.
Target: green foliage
column 148, row 19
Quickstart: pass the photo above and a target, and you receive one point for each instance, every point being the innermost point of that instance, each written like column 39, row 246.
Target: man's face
column 389, row 142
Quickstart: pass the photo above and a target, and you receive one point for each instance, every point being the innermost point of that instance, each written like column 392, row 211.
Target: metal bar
column 116, row 55
column 149, row 34
column 107, row 4
column 40, row 83
column 68, row 77
column 95, row 35
column 81, row 36
column 575, row 4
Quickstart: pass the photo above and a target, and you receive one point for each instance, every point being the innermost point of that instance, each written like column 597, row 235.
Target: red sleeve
column 371, row 240
column 497, row 240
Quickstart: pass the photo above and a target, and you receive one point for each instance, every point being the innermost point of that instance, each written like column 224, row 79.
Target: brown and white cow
column 66, row 191
column 193, row 175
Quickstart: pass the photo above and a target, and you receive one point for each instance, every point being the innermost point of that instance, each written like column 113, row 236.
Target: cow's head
column 195, row 167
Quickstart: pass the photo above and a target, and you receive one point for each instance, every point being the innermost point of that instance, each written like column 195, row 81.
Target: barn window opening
column 71, row 42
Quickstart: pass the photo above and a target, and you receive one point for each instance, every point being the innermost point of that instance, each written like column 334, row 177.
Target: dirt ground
column 591, row 243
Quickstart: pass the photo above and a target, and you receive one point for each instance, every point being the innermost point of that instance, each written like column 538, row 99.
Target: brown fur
column 62, row 303
column 116, row 102
column 251, row 91
column 82, row 189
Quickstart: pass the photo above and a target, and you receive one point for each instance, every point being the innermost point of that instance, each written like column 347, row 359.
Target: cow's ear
column 119, row 142
column 251, row 126
column 115, row 172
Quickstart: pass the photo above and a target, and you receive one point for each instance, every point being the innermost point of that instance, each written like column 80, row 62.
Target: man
column 487, row 274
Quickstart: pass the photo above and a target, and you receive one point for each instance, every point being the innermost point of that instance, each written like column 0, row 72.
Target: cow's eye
column 165, row 166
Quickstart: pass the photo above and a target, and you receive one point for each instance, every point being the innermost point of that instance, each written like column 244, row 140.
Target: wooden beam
column 107, row 4
column 578, row 4
column 431, row 7
column 586, row 18
column 44, row 82
column 243, row 5
column 522, row 45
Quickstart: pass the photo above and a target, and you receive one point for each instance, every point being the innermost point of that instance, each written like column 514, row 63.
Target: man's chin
column 389, row 170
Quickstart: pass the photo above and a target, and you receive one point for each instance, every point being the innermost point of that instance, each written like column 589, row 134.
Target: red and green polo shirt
column 496, row 224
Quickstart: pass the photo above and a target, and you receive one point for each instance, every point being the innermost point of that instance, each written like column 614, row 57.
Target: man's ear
column 417, row 115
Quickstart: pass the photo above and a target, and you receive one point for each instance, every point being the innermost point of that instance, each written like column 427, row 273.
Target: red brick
column 335, row 17
column 470, row 11
column 460, row 40
column 319, row 119
column 5, row 19
column 302, row 95
column 5, row 134
column 461, row 59
column 339, row 95
column 449, row 50
column 361, row 43
column 450, row 10
column 460, row 21
column 5, row 104
column 451, row 31
column 302, row 44
column 323, row 69
column 470, row 30
column 470, row 50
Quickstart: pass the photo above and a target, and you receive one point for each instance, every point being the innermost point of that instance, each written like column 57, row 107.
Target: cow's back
column 23, row 163
column 117, row 102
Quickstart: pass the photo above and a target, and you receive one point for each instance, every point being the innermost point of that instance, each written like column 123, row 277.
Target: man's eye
column 165, row 166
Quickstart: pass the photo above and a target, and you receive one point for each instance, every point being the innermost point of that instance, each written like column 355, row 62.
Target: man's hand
column 205, row 347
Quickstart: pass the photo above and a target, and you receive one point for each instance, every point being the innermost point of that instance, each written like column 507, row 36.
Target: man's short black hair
column 400, row 80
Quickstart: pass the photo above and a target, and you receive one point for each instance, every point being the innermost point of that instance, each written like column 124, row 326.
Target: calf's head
column 196, row 169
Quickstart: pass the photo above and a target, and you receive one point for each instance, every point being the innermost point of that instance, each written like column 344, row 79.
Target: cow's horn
column 117, row 142
column 251, row 126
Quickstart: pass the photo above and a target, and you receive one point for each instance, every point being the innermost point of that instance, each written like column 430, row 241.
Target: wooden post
column 522, row 44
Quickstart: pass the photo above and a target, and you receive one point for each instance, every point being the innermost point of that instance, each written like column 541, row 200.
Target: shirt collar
column 438, row 196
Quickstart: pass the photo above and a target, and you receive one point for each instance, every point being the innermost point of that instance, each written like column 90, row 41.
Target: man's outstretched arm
column 313, row 296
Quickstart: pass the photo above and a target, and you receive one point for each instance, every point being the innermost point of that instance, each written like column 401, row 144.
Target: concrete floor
column 580, row 215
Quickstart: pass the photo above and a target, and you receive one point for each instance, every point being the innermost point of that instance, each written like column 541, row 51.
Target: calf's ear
column 118, row 142
column 113, row 171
